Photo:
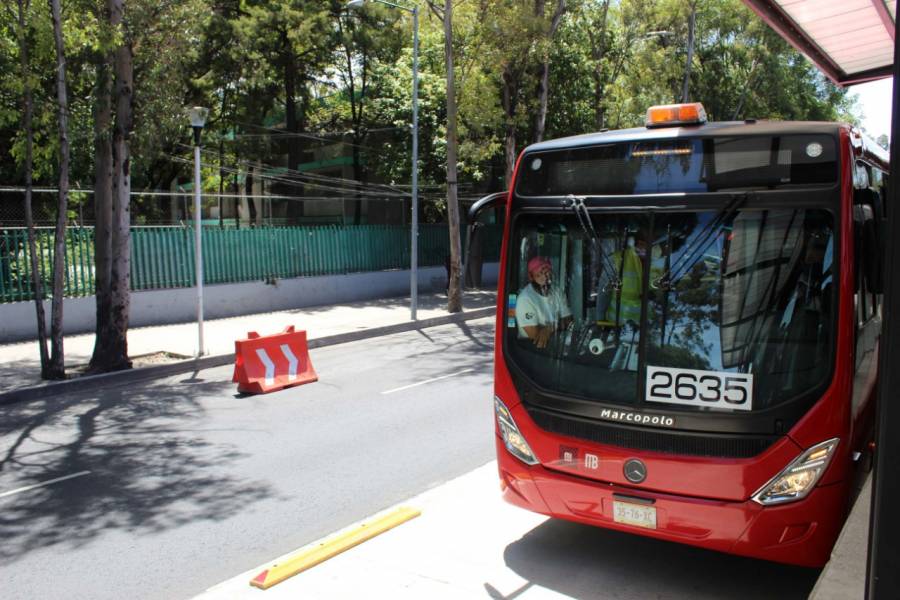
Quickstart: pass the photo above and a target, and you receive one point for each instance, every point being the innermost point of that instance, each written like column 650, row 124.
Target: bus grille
column 690, row 444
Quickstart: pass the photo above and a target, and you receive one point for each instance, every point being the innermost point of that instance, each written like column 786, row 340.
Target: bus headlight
column 798, row 478
column 512, row 437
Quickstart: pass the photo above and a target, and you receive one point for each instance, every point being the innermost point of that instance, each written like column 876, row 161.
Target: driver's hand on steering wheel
column 543, row 336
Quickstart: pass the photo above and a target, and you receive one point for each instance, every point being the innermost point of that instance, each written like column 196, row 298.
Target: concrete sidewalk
column 150, row 347
column 845, row 574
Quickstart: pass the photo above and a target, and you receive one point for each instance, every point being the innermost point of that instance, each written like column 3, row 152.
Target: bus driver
column 541, row 307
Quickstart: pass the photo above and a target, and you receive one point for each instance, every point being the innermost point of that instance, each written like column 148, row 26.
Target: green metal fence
column 163, row 257
column 15, row 264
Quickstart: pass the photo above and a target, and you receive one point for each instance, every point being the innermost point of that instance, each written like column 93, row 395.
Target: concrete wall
column 159, row 307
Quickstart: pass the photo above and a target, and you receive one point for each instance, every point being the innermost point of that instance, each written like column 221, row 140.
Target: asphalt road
column 189, row 484
column 179, row 484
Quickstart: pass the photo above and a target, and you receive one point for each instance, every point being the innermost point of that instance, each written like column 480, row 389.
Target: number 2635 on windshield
column 691, row 387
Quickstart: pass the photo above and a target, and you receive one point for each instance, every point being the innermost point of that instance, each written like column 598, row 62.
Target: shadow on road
column 149, row 470
column 155, row 460
column 13, row 372
column 579, row 561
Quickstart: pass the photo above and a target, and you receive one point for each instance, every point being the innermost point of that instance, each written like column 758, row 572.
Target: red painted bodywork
column 703, row 501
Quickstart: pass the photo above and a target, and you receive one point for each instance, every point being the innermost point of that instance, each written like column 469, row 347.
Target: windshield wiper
column 696, row 249
column 576, row 203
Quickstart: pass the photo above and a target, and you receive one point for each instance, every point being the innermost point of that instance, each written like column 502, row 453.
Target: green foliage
column 268, row 66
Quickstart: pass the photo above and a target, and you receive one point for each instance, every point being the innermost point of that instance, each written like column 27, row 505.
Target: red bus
column 687, row 330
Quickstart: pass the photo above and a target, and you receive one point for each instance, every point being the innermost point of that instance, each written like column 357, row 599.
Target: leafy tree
column 454, row 285
column 367, row 37
column 520, row 35
column 21, row 26
column 295, row 39
column 56, row 368
column 516, row 70
column 111, row 346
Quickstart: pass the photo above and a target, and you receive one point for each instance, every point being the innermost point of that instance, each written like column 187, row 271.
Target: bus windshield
column 720, row 310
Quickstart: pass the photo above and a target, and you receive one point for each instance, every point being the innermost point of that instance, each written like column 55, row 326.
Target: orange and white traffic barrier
column 269, row 363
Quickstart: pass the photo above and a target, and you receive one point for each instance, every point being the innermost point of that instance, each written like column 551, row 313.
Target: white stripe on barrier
column 292, row 361
column 270, row 366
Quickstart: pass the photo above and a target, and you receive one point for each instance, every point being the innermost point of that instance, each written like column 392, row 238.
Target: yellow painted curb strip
column 319, row 552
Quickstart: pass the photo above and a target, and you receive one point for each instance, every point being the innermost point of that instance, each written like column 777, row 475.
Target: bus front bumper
column 799, row 533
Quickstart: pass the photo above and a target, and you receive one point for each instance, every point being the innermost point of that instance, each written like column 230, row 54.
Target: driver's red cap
column 538, row 262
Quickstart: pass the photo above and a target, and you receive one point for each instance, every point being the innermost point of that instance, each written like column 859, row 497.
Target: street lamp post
column 198, row 116
column 414, row 233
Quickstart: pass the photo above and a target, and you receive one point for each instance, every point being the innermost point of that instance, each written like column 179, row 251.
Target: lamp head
column 355, row 4
column 197, row 115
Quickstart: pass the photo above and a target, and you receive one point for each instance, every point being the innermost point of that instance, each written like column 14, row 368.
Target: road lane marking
column 412, row 385
column 43, row 483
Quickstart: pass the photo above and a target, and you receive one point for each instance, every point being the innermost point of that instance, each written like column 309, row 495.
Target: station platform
column 469, row 543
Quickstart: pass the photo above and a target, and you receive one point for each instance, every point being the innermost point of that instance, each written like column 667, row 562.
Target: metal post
column 883, row 576
column 198, row 249
column 414, row 255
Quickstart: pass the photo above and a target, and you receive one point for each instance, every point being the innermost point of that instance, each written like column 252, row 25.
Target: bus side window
column 861, row 302
column 868, row 260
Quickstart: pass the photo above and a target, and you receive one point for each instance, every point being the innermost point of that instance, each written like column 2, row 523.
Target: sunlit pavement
column 468, row 543
column 453, row 550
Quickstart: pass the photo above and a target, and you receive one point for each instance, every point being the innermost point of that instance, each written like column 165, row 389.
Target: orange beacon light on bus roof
column 676, row 114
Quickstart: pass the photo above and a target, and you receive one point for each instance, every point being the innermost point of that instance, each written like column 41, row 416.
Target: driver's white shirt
column 534, row 309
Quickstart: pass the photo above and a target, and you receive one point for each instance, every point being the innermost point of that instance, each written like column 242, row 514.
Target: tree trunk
column 358, row 177
column 692, row 24
column 454, row 289
column 259, row 191
column 598, row 51
column 740, row 104
column 100, row 360
column 289, row 74
column 249, row 184
column 540, row 121
column 120, row 269
column 509, row 110
column 57, row 368
column 221, row 165
column 238, row 192
column 357, row 138
column 27, row 126
column 221, row 184
column 599, row 115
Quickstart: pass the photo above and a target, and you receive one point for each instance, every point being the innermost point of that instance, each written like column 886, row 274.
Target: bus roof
column 714, row 129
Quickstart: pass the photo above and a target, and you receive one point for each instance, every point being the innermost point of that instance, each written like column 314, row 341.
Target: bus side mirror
column 490, row 201
column 473, row 260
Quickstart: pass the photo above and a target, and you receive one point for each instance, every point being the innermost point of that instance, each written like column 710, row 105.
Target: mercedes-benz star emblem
column 635, row 470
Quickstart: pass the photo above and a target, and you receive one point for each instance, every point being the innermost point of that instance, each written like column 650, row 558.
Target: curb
column 327, row 548
column 88, row 382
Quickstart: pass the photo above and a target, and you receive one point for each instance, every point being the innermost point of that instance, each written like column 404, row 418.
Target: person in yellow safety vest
column 626, row 305
column 541, row 307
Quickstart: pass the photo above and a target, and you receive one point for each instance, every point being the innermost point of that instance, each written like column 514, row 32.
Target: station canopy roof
column 851, row 41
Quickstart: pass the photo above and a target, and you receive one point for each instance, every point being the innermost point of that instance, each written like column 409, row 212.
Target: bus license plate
column 634, row 514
